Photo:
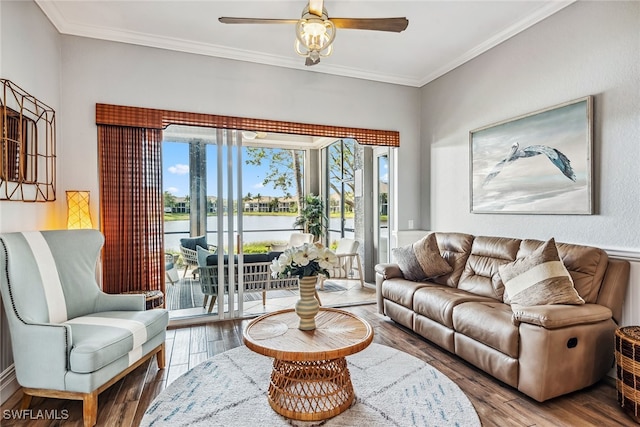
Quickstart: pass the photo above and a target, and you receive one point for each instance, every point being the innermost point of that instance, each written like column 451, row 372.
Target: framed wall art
column 539, row 163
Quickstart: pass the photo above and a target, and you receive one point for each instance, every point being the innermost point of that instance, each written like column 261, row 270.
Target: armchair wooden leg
column 160, row 357
column 26, row 401
column 90, row 408
column 206, row 298
column 318, row 298
column 264, row 298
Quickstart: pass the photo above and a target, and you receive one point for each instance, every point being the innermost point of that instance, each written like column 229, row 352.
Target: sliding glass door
column 340, row 178
column 243, row 195
column 381, row 206
column 202, row 187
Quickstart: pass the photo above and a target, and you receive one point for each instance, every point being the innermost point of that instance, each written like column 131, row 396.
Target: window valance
column 149, row 118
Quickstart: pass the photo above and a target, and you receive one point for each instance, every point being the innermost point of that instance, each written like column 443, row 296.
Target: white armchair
column 71, row 340
column 295, row 240
column 349, row 264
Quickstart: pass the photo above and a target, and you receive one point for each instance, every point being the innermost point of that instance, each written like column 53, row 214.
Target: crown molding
column 181, row 45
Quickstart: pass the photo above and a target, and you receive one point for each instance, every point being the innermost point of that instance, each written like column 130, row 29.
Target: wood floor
column 497, row 405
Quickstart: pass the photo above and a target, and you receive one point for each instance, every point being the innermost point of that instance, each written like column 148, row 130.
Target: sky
column 175, row 169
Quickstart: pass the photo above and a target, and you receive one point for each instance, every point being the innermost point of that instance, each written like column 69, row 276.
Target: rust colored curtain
column 131, row 208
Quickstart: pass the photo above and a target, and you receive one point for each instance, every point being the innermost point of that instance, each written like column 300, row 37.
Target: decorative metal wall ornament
column 27, row 146
column 539, row 163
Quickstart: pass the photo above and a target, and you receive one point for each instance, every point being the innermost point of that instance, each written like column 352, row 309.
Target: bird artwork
column 556, row 157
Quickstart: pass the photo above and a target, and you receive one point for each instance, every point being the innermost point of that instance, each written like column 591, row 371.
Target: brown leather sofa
column 544, row 351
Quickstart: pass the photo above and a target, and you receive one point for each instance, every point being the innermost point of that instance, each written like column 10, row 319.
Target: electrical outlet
column 410, row 224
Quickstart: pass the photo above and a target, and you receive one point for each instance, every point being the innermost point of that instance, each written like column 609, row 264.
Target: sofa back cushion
column 455, row 249
column 480, row 275
column 586, row 264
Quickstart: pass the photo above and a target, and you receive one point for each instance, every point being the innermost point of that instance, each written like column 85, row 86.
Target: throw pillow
column 202, row 256
column 421, row 260
column 540, row 278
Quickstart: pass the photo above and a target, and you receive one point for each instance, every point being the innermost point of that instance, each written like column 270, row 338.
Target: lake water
column 256, row 229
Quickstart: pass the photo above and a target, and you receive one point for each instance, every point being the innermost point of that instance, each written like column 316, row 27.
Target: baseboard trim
column 8, row 383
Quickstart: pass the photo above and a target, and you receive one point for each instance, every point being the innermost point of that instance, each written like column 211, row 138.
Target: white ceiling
column 441, row 34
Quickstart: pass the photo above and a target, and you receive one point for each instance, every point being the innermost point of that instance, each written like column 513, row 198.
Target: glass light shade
column 315, row 35
column 78, row 214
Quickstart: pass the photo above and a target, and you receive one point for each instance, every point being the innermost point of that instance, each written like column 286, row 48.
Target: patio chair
column 349, row 264
column 70, row 340
column 170, row 272
column 188, row 249
column 256, row 276
column 295, row 240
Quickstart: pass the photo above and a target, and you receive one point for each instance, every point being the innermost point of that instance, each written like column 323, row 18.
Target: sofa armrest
column 389, row 271
column 111, row 302
column 559, row 315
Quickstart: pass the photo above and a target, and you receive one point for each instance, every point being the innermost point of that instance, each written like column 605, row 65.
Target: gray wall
column 29, row 57
column 588, row 48
column 98, row 71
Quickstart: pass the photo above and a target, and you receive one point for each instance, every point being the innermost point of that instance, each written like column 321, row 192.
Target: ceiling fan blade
column 315, row 7
column 228, row 20
column 395, row 25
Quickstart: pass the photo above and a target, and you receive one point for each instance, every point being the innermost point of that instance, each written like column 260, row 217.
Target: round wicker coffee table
column 310, row 380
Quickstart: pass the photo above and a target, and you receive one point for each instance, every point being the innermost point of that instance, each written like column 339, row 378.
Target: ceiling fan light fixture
column 250, row 135
column 314, row 37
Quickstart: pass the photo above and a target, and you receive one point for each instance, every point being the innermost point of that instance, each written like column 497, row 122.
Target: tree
column 273, row 204
column 312, row 217
column 341, row 170
column 285, row 168
column 169, row 199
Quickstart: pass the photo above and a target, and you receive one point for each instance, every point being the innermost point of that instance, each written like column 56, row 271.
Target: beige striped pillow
column 539, row 279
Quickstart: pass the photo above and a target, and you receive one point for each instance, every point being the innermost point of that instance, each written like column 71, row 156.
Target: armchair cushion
column 194, row 242
column 101, row 338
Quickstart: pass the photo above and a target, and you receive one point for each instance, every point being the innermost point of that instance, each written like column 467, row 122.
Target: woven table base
column 310, row 390
column 628, row 370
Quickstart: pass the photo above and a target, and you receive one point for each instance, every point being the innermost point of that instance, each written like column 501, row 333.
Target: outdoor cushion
column 194, row 242
column 101, row 338
column 212, row 259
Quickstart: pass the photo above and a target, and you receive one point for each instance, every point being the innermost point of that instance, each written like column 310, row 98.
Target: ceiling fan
column 315, row 32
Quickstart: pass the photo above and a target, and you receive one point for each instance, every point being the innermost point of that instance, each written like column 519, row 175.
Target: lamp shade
column 78, row 214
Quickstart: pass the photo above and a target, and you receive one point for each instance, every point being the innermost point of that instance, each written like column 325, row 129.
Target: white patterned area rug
column 392, row 389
